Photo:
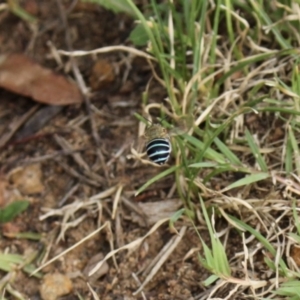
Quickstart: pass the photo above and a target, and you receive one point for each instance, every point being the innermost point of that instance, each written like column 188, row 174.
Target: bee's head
column 154, row 131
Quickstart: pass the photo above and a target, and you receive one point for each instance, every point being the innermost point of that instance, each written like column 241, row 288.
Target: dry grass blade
column 131, row 246
column 93, row 292
column 139, row 283
column 162, row 258
column 107, row 49
column 116, row 201
column 70, row 249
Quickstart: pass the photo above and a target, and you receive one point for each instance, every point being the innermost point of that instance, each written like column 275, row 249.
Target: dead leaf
column 21, row 75
column 91, row 264
column 155, row 211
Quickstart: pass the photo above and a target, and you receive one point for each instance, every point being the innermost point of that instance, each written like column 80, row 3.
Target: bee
column 157, row 139
column 158, row 145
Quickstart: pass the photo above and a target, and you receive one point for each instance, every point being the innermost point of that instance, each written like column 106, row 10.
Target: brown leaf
column 91, row 265
column 155, row 211
column 21, row 75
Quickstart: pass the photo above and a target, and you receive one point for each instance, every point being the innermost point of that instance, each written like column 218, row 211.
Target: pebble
column 55, row 285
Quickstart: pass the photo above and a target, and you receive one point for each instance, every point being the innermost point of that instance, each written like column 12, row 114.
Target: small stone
column 28, row 179
column 54, row 286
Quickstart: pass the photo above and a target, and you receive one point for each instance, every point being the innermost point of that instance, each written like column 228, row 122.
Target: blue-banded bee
column 157, row 139
column 158, row 145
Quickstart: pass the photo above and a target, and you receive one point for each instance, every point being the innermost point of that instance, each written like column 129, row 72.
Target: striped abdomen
column 158, row 150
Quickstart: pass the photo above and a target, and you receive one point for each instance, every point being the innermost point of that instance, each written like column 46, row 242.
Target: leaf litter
column 21, row 75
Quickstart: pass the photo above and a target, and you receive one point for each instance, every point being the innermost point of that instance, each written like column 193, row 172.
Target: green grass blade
column 247, row 180
column 227, row 152
column 156, row 178
column 116, row 6
column 13, row 209
column 256, row 152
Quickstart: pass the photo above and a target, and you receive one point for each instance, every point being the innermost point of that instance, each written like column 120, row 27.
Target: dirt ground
column 80, row 151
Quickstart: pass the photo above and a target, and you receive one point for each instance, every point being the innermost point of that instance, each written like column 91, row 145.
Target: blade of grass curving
column 219, row 169
column 16, row 9
column 9, row 261
column 156, row 178
column 253, row 94
column 210, row 280
column 256, row 152
column 176, row 216
column 209, row 153
column 289, row 289
column 9, row 212
column 142, row 119
column 227, row 152
column 208, row 260
column 247, row 180
column 116, row 6
column 204, row 164
column 278, row 110
column 27, row 235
